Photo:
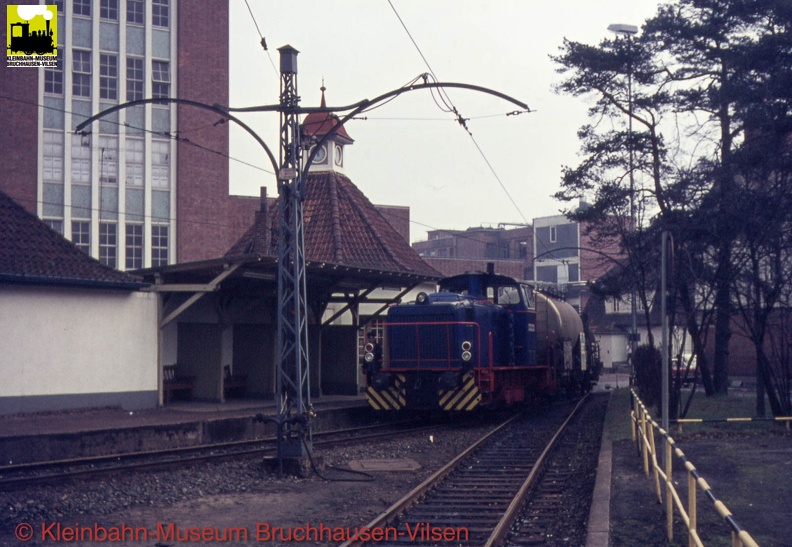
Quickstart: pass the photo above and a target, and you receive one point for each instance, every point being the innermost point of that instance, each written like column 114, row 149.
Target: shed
column 75, row 333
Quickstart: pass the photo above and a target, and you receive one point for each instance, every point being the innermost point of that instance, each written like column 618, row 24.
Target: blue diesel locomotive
column 482, row 340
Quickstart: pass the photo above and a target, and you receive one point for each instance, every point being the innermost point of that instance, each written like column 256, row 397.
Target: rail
column 499, row 486
column 777, row 419
column 643, row 433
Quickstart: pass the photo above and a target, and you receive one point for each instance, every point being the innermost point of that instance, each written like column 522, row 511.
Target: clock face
column 321, row 154
column 339, row 155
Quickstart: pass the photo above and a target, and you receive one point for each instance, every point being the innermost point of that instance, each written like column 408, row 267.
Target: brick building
column 147, row 185
column 553, row 249
column 453, row 252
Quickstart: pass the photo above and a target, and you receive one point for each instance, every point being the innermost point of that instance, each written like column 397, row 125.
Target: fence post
column 644, row 434
column 669, row 468
column 655, row 467
column 691, row 508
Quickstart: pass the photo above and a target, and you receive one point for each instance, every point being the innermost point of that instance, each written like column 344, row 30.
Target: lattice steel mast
column 293, row 384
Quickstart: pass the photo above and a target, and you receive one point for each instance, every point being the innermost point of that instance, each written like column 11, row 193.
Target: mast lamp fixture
column 623, row 30
column 288, row 59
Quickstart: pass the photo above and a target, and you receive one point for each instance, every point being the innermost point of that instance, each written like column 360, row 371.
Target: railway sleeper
column 444, row 507
column 467, row 502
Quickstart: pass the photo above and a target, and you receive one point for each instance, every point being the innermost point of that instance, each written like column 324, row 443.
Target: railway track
column 16, row 476
column 475, row 499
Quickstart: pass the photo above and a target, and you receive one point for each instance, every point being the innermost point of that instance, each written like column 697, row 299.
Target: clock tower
column 330, row 157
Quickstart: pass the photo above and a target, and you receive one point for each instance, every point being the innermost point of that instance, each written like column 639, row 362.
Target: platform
column 26, row 438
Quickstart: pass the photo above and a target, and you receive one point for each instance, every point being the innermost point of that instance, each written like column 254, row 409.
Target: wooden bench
column 173, row 383
column 233, row 384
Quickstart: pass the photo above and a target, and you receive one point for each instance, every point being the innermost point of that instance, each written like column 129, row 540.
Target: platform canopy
column 351, row 251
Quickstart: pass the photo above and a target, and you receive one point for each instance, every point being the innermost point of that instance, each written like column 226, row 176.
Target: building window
column 81, row 160
column 52, row 163
column 160, row 79
column 81, row 236
column 108, row 77
column 134, row 246
column 108, row 242
column 134, row 162
column 160, row 164
column 53, row 77
column 159, row 246
column 81, row 73
column 136, row 12
column 553, row 234
column 56, row 225
column 135, row 79
column 108, row 160
column 108, row 9
column 82, row 7
column 160, row 13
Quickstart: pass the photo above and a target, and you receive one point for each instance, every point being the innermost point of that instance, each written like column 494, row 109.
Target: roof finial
column 323, row 104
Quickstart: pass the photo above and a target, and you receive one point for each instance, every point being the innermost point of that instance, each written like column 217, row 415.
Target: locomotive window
column 528, row 295
column 508, row 296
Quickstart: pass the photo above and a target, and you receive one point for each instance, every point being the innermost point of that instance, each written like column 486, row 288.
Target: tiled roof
column 341, row 227
column 30, row 252
column 319, row 124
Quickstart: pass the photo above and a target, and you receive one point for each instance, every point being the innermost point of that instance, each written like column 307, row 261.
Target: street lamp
column 628, row 31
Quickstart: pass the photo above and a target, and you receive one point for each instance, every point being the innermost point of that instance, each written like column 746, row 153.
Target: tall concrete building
column 147, row 185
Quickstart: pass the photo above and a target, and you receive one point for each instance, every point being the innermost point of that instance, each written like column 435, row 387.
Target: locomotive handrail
column 643, row 433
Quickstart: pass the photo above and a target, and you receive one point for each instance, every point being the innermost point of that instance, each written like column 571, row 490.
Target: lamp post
column 628, row 31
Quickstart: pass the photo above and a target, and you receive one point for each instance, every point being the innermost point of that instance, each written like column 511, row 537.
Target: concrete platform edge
column 599, row 514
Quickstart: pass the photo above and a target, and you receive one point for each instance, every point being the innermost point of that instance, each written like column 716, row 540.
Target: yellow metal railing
column 643, row 433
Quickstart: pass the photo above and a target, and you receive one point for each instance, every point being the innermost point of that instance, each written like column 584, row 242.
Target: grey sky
column 409, row 152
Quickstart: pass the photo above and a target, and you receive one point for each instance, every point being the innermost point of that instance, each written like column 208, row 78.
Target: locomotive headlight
column 466, row 356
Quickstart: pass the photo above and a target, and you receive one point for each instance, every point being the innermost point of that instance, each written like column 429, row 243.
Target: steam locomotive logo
column 32, row 30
